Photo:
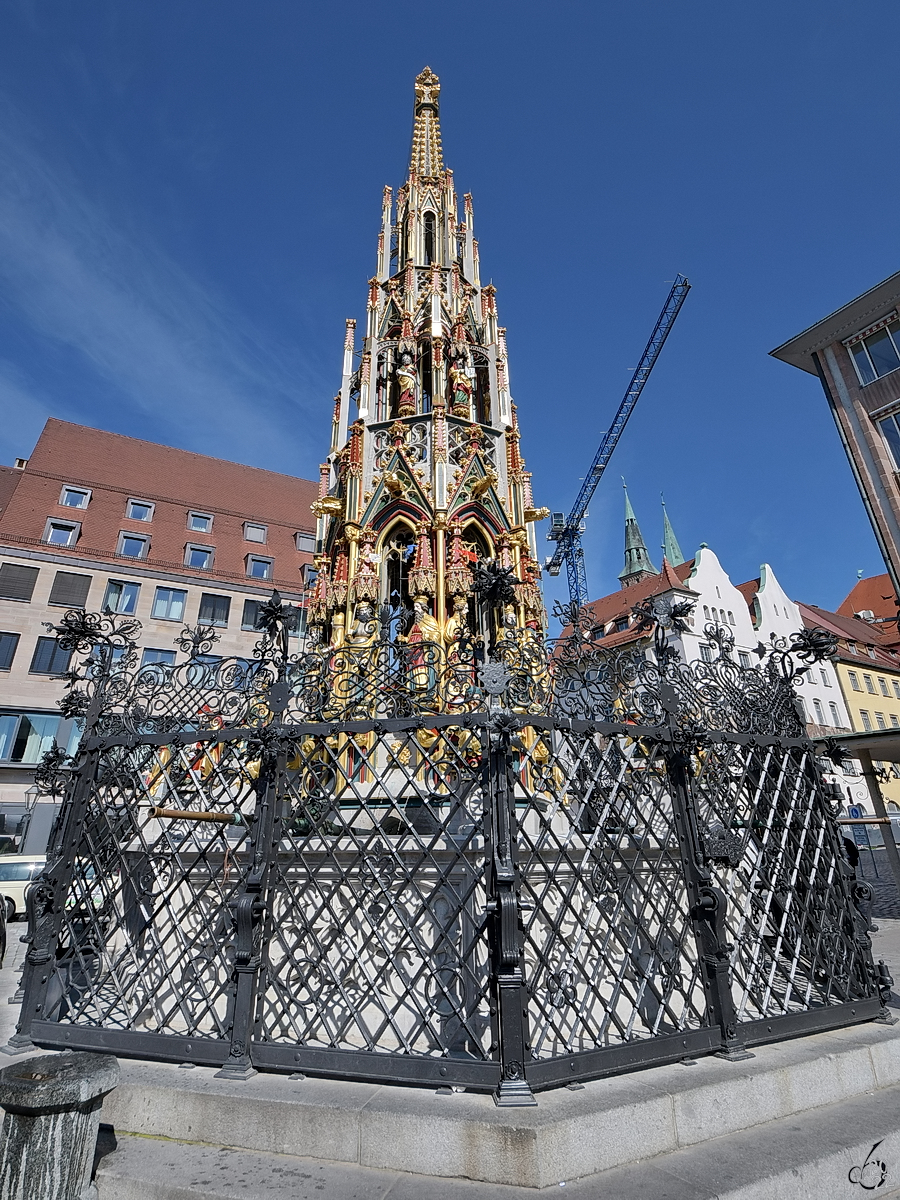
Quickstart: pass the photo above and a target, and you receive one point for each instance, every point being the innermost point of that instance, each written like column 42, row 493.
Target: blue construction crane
column 567, row 531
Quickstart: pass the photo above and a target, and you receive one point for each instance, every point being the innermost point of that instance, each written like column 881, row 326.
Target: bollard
column 50, row 1124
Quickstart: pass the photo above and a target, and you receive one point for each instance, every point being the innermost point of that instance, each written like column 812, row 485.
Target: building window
column 826, row 678
column 853, row 648
column 706, row 652
column 25, row 737
column 8, row 644
column 706, row 611
column 882, row 683
column 870, row 686
column 49, row 658
column 871, row 651
column 854, row 681
column 168, row 605
column 730, row 617
column 255, row 533
column 878, row 354
column 835, row 720
column 214, row 609
column 895, row 721
column 139, row 510
column 880, row 721
column 152, row 657
column 70, row 591
column 306, row 542
column 250, row 614
column 259, row 568
column 200, row 522
column 198, row 557
column 867, row 724
column 72, row 497
column 121, row 597
column 17, row 583
column 744, row 658
column 61, row 533
column 100, row 656
column 133, row 545
column 820, row 716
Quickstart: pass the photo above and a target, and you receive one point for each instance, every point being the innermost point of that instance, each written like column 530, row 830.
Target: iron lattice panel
column 609, row 948
column 376, row 930
column 790, row 917
column 429, row 864
column 146, row 939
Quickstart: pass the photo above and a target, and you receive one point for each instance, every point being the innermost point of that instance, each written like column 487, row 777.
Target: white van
column 16, row 872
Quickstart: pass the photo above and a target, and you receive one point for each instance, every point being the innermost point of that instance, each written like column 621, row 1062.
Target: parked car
column 16, row 872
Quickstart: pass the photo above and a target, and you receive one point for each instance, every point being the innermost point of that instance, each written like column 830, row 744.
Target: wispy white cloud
column 163, row 344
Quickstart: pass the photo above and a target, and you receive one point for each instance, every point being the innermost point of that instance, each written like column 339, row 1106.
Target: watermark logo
column 872, row 1173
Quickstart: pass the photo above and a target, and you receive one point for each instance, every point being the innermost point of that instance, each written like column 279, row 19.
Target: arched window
column 819, row 715
column 429, row 237
column 482, row 395
column 706, row 611
column 399, row 546
column 730, row 617
column 425, row 376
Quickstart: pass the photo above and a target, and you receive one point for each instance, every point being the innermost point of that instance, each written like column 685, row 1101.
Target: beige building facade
column 172, row 539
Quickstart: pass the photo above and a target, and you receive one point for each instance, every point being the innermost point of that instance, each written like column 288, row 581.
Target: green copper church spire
column 637, row 559
column 670, row 547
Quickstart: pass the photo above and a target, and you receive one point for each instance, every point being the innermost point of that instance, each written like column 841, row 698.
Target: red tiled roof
column 875, row 594
column 116, row 468
column 851, row 629
column 619, row 604
column 9, row 477
column 748, row 590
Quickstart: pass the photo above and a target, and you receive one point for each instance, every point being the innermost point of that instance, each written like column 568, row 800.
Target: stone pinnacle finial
column 426, row 158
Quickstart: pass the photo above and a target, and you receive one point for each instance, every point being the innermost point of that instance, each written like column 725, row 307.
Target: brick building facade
column 96, row 520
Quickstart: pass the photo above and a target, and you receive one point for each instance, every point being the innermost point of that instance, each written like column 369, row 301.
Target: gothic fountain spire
column 425, row 474
column 426, row 159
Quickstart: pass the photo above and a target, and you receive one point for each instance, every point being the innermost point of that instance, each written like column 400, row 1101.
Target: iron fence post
column 707, row 902
column 249, row 910
column 45, row 902
column 509, row 997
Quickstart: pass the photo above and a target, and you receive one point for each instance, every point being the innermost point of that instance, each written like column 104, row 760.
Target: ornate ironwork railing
column 412, row 861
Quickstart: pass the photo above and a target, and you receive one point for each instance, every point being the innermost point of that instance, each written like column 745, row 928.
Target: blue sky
column 190, row 199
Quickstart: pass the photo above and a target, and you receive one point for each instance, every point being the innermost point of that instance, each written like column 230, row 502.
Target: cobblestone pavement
column 874, row 869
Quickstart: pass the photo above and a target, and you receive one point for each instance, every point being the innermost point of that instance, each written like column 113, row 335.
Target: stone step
column 570, row 1134
column 824, row 1153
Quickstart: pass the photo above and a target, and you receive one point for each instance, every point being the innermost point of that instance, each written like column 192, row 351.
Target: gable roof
column 851, row 629
column 874, row 593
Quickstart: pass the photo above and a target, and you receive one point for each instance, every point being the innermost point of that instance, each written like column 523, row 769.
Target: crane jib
column 568, row 539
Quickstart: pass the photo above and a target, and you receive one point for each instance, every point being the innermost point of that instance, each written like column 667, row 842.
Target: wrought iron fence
column 422, row 862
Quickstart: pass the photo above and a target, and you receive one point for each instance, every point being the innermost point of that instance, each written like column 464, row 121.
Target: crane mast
column 567, row 531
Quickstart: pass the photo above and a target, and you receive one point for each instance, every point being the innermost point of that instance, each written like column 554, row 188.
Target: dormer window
column 139, row 510
column 200, row 522
column 255, row 533
column 72, row 497
column 62, row 533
